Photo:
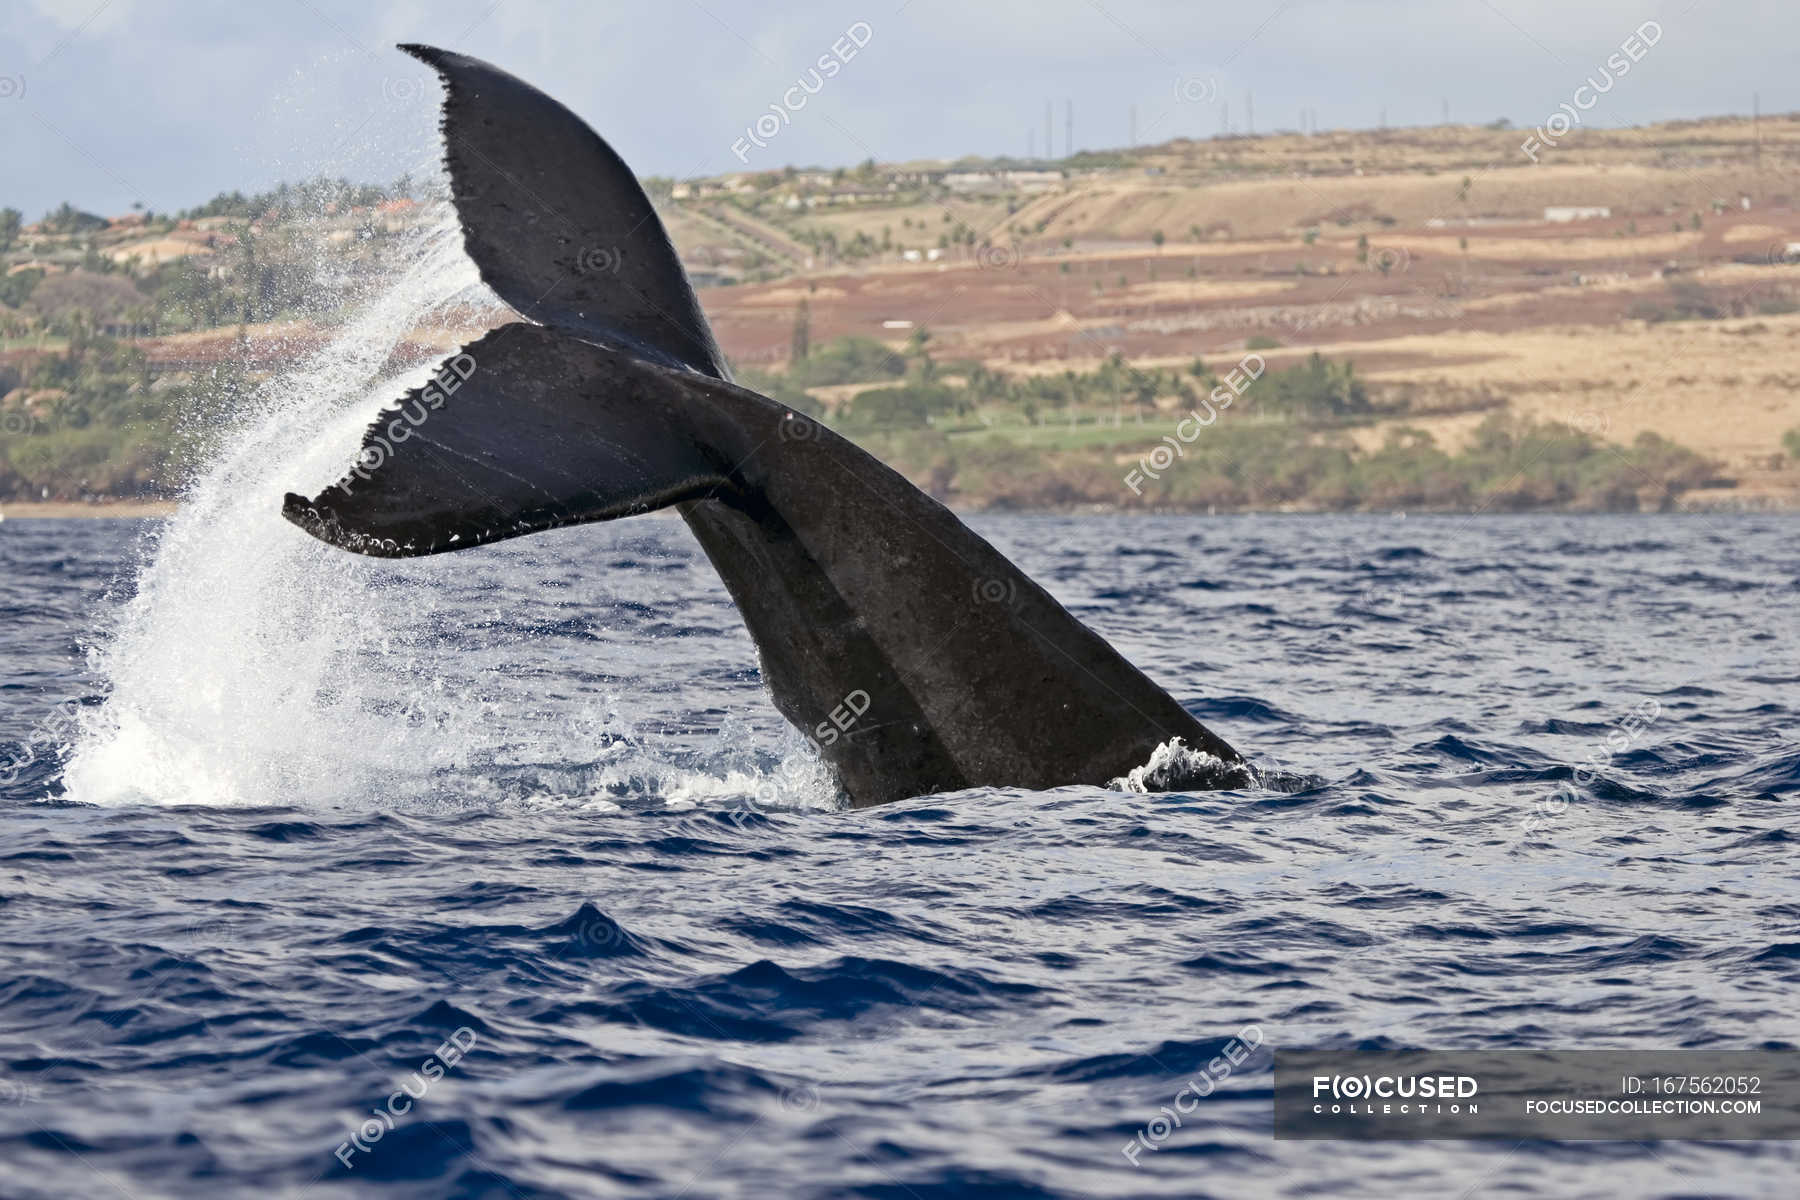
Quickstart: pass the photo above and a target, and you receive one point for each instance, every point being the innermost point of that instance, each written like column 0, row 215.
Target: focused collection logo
column 1394, row 1095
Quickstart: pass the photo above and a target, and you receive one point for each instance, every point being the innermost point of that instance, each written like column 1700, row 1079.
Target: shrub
column 847, row 360
column 909, row 406
column 1317, row 387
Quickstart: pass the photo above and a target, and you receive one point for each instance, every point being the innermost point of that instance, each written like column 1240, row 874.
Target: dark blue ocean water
column 326, row 821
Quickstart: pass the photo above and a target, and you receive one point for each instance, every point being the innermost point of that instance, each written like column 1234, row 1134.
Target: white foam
column 242, row 670
column 1175, row 766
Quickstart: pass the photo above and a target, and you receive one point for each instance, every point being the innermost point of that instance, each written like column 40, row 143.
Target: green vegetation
column 911, row 405
column 847, row 360
column 296, row 201
column 1317, row 388
column 983, row 439
column 96, row 419
column 83, row 411
column 1512, row 466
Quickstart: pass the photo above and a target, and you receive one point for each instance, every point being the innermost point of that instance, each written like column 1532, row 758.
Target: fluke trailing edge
column 615, row 400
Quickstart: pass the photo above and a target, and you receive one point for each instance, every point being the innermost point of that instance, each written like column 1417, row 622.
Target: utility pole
column 1756, row 123
column 1069, row 128
column 1049, row 147
column 1134, row 125
column 1249, row 112
column 1224, row 118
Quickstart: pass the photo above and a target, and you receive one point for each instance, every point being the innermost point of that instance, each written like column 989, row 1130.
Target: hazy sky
column 104, row 102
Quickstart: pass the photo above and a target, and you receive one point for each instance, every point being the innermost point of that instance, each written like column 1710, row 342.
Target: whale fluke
column 557, row 222
column 914, row 654
column 523, row 430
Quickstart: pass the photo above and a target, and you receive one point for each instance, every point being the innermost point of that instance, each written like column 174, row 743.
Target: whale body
column 914, row 655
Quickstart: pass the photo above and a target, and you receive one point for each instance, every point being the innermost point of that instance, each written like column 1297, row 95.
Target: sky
column 109, row 102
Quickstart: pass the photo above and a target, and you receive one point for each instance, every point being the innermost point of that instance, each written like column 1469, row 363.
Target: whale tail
column 865, row 597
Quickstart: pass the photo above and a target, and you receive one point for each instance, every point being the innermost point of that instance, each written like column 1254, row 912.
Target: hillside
column 1023, row 333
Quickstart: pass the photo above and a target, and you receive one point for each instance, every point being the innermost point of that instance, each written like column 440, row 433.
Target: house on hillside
column 972, row 181
column 159, row 250
column 395, row 215
column 1000, row 181
column 1563, row 213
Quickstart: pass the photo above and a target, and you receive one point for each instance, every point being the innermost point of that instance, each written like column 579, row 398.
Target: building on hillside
column 921, row 178
column 972, row 181
column 1563, row 213
column 159, row 250
column 1002, row 181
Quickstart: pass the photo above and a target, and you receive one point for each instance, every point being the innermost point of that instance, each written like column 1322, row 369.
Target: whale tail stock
column 914, row 654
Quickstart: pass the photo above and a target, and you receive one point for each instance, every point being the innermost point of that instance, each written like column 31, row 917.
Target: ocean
column 496, row 874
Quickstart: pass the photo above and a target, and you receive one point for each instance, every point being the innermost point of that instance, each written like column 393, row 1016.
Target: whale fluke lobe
column 558, row 224
column 523, row 430
column 912, row 653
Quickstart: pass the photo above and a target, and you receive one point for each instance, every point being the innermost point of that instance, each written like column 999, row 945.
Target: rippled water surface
column 313, row 815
